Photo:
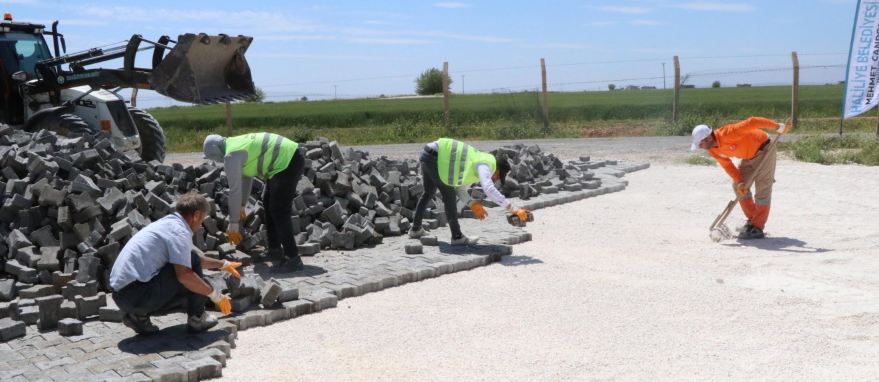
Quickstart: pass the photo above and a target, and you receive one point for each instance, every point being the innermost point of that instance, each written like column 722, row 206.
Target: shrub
column 430, row 82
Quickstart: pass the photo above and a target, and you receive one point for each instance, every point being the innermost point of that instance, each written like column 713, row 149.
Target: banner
column 862, row 74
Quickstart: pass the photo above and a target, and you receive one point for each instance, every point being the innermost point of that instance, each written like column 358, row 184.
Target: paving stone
column 321, row 301
column 10, row 329
column 37, row 291
column 70, row 327
column 7, row 290
column 90, row 306
column 110, row 312
column 270, row 293
column 429, row 241
column 413, row 249
column 50, row 311
column 299, row 307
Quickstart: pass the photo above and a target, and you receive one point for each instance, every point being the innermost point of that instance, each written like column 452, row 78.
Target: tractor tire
column 65, row 124
column 152, row 137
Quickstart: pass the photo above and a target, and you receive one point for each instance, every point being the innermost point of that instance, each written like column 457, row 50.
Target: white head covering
column 699, row 133
column 214, row 147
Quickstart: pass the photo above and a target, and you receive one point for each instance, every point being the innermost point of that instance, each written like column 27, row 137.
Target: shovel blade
column 205, row 69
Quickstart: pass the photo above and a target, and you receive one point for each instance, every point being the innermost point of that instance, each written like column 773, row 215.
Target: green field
column 507, row 115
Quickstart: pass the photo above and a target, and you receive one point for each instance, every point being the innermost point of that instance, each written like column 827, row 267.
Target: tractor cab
column 22, row 46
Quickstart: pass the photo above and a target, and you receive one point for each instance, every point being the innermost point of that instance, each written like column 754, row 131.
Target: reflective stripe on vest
column 259, row 146
column 456, row 162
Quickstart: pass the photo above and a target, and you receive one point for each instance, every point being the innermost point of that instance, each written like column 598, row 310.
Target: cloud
column 565, row 45
column 309, row 56
column 451, row 5
column 706, row 6
column 645, row 23
column 18, row 2
column 218, row 18
column 468, row 37
column 388, row 41
column 296, row 37
column 625, row 9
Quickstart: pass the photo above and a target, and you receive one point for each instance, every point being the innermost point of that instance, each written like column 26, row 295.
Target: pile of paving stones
column 534, row 172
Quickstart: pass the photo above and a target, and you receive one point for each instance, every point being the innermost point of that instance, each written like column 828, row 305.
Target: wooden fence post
column 228, row 119
column 446, row 116
column 795, row 92
column 133, row 97
column 677, row 99
column 545, row 97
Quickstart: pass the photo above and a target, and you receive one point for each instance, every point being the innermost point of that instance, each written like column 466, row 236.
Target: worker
column 451, row 167
column 158, row 271
column 278, row 160
column 745, row 140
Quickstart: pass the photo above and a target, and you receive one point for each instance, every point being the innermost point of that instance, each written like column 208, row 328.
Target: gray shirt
column 167, row 240
column 239, row 184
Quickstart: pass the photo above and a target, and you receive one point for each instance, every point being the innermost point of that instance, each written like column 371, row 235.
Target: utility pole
column 663, row 76
column 462, row 84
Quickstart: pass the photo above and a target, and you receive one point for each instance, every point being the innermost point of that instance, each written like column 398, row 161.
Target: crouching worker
column 157, row 271
column 747, row 141
column 278, row 160
column 451, row 167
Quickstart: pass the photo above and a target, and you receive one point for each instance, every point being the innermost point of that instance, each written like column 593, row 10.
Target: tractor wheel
column 65, row 124
column 152, row 137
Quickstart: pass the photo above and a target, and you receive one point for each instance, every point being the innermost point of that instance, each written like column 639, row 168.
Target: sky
column 350, row 49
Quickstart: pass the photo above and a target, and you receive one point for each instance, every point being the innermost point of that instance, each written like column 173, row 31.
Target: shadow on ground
column 172, row 338
column 515, row 261
column 780, row 244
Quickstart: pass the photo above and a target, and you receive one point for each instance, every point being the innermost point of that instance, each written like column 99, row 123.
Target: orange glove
column 242, row 216
column 521, row 213
column 229, row 267
column 222, row 301
column 478, row 210
column 234, row 237
column 740, row 189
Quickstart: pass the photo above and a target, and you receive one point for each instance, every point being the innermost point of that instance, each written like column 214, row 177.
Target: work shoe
column 201, row 323
column 752, row 233
column 744, row 227
column 289, row 265
column 417, row 234
column 465, row 240
column 140, row 324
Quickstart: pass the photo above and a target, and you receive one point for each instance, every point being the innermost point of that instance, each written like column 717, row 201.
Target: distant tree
column 430, row 82
column 303, row 99
column 611, row 87
column 258, row 96
column 715, row 84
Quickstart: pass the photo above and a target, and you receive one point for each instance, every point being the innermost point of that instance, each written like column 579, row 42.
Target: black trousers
column 278, row 202
column 162, row 293
column 432, row 183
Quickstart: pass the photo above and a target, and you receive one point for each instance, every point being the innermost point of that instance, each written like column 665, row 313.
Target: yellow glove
column 478, row 210
column 222, row 301
column 234, row 237
column 229, row 267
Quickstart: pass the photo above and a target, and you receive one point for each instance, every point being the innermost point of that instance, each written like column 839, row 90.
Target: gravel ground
column 625, row 286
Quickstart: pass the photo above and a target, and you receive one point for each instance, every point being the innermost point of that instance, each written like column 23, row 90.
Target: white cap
column 214, row 147
column 699, row 133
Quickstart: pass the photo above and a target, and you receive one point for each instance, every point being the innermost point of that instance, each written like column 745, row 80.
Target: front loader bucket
column 205, row 69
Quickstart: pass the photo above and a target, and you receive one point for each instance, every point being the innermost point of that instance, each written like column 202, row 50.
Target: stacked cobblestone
column 534, row 172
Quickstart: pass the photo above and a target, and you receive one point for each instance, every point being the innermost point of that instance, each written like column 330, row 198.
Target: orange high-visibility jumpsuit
column 747, row 141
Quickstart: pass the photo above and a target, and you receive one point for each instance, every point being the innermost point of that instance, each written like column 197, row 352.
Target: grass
column 846, row 149
column 506, row 115
column 700, row 160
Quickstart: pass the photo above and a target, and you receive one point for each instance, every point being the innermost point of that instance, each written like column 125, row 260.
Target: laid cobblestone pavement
column 109, row 351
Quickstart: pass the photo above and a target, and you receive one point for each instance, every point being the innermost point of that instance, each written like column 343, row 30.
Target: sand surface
column 625, row 286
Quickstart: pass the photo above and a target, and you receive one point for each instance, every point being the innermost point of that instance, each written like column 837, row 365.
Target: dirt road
column 625, row 286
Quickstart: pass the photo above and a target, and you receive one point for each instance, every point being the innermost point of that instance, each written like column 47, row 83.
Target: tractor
column 37, row 93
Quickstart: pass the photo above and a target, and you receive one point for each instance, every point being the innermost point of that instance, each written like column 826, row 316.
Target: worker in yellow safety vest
column 281, row 163
column 451, row 167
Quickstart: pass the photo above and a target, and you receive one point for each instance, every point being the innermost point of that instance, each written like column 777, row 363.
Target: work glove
column 230, row 268
column 242, row 216
column 222, row 301
column 782, row 130
column 521, row 213
column 234, row 234
column 478, row 210
column 740, row 189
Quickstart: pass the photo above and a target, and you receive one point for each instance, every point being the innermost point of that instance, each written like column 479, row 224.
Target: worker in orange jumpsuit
column 745, row 140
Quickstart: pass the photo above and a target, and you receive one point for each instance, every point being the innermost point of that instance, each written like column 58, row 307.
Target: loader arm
column 197, row 69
